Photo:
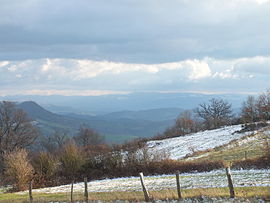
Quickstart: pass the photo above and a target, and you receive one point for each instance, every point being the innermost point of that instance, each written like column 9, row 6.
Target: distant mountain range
column 98, row 105
column 117, row 127
column 117, row 117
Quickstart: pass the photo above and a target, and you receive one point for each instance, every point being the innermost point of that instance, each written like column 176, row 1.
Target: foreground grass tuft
column 246, row 192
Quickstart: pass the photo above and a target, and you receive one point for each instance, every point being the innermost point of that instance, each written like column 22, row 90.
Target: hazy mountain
column 97, row 105
column 118, row 117
column 37, row 112
column 47, row 121
column 150, row 114
column 116, row 127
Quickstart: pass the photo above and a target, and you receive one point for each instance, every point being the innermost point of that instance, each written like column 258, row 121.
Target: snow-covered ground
column 241, row 178
column 179, row 147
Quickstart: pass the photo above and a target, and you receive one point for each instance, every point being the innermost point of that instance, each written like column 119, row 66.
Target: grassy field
column 252, row 146
column 246, row 192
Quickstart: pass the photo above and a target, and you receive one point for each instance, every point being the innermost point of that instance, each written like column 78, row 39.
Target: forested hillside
column 116, row 127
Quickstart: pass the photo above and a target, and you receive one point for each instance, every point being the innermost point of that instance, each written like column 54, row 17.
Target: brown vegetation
column 18, row 170
column 259, row 163
column 46, row 166
column 70, row 160
column 256, row 109
column 16, row 130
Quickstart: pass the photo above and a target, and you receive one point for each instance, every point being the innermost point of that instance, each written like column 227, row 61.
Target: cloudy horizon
column 120, row 47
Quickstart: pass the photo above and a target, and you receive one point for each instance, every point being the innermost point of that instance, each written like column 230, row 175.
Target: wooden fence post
column 30, row 191
column 146, row 194
column 71, row 192
column 85, row 190
column 230, row 183
column 178, row 185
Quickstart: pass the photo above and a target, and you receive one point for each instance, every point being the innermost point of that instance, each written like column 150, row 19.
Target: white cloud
column 254, row 65
column 47, row 66
column 237, row 2
column 199, row 69
column 87, row 69
column 72, row 76
column 261, row 1
column 12, row 68
column 224, row 75
column 3, row 63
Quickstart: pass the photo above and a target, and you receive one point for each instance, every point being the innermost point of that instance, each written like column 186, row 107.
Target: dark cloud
column 134, row 31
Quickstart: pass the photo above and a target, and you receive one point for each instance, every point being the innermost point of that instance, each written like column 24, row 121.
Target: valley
column 116, row 127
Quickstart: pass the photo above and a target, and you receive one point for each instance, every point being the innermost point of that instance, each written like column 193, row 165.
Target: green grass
column 246, row 192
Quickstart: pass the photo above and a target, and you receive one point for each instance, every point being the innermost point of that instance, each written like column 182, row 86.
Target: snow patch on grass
column 179, row 147
column 217, row 178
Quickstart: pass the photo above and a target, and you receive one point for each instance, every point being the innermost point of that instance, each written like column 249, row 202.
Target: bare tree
column 88, row 136
column 215, row 114
column 249, row 110
column 55, row 141
column 185, row 123
column 16, row 129
column 263, row 105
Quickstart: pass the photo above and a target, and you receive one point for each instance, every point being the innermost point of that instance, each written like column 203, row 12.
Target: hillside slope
column 36, row 112
column 180, row 147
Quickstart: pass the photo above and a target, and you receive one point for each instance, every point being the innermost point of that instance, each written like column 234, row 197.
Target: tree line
column 217, row 113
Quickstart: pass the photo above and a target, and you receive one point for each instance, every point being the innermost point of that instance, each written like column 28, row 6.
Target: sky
column 97, row 47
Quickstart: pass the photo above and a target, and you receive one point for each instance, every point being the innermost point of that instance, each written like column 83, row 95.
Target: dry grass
column 233, row 151
column 247, row 192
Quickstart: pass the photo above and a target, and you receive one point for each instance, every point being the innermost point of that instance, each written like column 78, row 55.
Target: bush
column 46, row 167
column 71, row 160
column 18, row 170
column 259, row 163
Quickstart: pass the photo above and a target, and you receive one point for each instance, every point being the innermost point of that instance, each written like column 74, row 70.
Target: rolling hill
column 226, row 143
column 116, row 127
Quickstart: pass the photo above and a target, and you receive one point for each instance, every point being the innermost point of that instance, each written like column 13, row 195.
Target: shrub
column 18, row 170
column 45, row 165
column 71, row 160
column 259, row 163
